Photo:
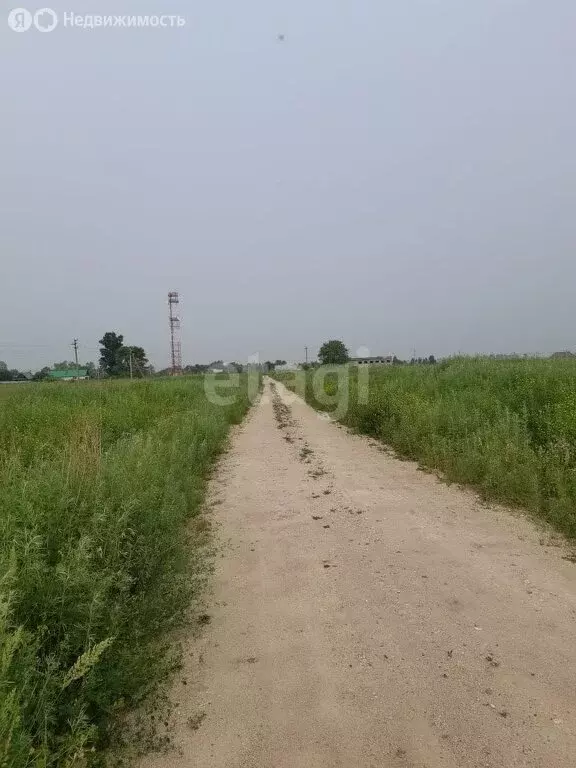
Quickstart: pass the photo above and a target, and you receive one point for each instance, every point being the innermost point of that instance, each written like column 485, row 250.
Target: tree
column 333, row 352
column 65, row 365
column 280, row 362
column 110, row 360
column 139, row 361
column 432, row 360
column 4, row 372
column 42, row 374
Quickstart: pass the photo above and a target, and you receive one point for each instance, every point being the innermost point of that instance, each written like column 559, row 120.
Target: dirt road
column 366, row 615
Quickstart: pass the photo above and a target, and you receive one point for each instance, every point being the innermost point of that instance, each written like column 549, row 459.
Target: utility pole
column 130, row 362
column 306, row 348
column 75, row 345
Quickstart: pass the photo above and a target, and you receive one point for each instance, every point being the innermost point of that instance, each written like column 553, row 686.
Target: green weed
column 507, row 428
column 97, row 562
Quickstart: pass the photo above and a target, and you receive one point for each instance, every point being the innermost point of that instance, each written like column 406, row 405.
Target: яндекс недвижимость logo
column 21, row 20
column 46, row 20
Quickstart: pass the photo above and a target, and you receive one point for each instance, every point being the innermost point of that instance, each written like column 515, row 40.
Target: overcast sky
column 398, row 174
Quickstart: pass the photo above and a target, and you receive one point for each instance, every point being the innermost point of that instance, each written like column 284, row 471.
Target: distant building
column 379, row 360
column 68, row 375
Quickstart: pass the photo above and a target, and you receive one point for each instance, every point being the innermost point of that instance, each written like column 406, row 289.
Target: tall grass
column 507, row 428
column 97, row 483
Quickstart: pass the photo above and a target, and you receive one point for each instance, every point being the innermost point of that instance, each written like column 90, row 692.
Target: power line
column 20, row 345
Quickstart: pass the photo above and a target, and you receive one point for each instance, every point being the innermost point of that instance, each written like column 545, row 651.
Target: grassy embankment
column 507, row 428
column 97, row 561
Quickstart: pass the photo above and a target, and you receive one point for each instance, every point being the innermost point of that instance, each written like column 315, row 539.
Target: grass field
column 97, row 561
column 507, row 428
column 7, row 390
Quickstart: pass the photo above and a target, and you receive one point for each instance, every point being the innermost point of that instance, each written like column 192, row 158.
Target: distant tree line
column 9, row 374
column 199, row 368
column 13, row 374
column 271, row 366
column 431, row 360
column 117, row 359
column 335, row 352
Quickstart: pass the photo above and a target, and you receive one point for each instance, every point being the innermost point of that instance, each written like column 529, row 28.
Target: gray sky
column 396, row 174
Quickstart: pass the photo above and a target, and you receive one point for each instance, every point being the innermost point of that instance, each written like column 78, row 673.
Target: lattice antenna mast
column 175, row 343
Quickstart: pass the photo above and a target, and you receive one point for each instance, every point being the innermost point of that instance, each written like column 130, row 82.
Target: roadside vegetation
column 99, row 559
column 505, row 427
